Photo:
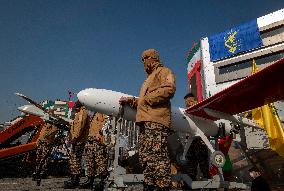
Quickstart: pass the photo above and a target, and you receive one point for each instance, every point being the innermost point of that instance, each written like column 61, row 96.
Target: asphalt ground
column 50, row 183
column 27, row 184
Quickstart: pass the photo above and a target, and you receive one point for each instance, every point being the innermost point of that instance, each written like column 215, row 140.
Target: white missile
column 31, row 109
column 107, row 102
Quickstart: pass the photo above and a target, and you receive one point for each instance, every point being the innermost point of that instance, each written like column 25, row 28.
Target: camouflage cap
column 189, row 95
column 150, row 53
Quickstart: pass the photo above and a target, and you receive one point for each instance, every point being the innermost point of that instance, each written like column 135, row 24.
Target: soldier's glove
column 125, row 100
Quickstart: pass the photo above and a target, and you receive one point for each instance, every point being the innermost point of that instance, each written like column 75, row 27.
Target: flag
column 267, row 118
column 194, row 56
column 235, row 40
column 49, row 104
column 69, row 108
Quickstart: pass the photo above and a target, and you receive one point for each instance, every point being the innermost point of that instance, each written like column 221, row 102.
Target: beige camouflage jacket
column 153, row 103
column 80, row 127
column 47, row 133
column 97, row 123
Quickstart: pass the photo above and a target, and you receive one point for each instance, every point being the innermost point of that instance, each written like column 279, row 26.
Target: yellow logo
column 231, row 43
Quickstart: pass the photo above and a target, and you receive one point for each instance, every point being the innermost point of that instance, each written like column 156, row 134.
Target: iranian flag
column 193, row 71
column 194, row 56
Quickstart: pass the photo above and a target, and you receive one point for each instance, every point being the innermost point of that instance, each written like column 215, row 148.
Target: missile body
column 31, row 109
column 107, row 102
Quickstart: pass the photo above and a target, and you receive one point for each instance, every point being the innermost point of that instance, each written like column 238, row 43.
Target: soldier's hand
column 125, row 100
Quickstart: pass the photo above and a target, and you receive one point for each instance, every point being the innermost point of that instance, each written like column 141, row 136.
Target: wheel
column 218, row 159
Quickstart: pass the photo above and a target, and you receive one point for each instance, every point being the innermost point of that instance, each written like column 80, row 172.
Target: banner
column 235, row 40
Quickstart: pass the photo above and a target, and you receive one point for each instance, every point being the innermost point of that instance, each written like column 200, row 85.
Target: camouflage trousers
column 76, row 158
column 96, row 158
column 153, row 154
column 42, row 156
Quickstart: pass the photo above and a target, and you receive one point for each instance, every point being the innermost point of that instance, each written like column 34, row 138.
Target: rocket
column 107, row 102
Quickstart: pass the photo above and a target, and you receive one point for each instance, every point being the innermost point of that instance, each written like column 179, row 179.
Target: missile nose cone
column 104, row 101
column 80, row 95
column 84, row 96
column 22, row 108
column 31, row 109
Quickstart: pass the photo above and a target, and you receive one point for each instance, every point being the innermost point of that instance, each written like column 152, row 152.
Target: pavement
column 50, row 183
column 27, row 184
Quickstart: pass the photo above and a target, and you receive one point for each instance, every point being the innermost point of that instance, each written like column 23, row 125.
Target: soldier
column 198, row 156
column 189, row 100
column 198, row 151
column 79, row 131
column 96, row 156
column 154, row 119
column 259, row 183
column 44, row 147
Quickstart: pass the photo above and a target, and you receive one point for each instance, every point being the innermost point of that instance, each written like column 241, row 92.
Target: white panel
column 280, row 109
column 209, row 84
column 60, row 102
column 256, row 139
column 276, row 38
column 59, row 113
column 270, row 18
column 207, row 70
column 223, row 86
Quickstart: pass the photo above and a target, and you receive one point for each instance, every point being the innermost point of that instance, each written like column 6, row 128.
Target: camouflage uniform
column 96, row 159
column 154, row 117
column 44, row 147
column 79, row 132
column 76, row 158
column 42, row 152
column 95, row 149
column 153, row 154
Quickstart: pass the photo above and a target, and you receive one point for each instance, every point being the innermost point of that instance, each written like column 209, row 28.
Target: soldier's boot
column 35, row 176
column 38, row 181
column 162, row 189
column 99, row 186
column 147, row 187
column 73, row 182
column 88, row 183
